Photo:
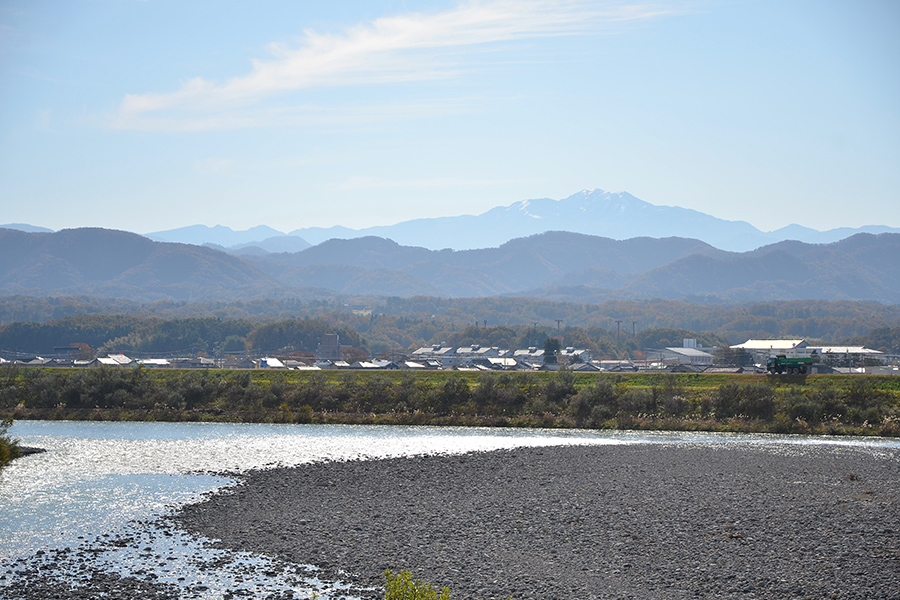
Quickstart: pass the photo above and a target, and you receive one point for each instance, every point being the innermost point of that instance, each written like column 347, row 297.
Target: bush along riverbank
column 826, row 404
column 9, row 448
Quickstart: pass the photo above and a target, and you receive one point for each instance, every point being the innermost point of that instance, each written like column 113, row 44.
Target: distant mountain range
column 618, row 216
column 553, row 265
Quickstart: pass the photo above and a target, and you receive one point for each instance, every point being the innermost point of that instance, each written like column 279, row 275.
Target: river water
column 104, row 488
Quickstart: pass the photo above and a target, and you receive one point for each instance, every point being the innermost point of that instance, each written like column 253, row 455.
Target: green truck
column 782, row 364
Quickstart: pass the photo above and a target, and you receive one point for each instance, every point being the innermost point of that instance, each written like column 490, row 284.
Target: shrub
column 637, row 401
column 757, row 401
column 402, row 586
column 559, row 387
column 726, row 400
column 670, row 397
column 864, row 401
column 453, row 392
column 9, row 448
column 594, row 404
column 814, row 406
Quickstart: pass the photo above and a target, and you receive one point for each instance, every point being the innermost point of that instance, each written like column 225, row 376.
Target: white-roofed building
column 848, row 355
column 365, row 364
column 466, row 355
column 271, row 362
column 531, row 355
column 761, row 350
column 773, row 346
column 192, row 362
column 154, row 363
column 571, row 354
column 114, row 360
column 434, row 353
column 860, row 350
column 497, row 364
column 691, row 356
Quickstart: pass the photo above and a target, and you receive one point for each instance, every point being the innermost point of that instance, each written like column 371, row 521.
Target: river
column 103, row 481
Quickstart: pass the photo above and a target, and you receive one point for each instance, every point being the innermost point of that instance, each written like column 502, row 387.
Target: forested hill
column 116, row 264
column 556, row 265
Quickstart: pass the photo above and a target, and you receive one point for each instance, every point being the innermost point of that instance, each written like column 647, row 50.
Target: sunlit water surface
column 110, row 481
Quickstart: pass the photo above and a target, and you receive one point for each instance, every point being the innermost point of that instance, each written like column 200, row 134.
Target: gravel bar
column 582, row 522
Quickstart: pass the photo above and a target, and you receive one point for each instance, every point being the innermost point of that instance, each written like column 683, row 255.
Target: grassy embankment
column 825, row 404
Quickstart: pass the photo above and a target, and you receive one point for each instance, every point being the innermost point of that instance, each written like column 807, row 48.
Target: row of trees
column 399, row 323
column 562, row 398
column 152, row 335
column 105, row 334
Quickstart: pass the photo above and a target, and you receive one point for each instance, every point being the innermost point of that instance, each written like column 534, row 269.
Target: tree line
column 612, row 329
column 823, row 404
column 144, row 336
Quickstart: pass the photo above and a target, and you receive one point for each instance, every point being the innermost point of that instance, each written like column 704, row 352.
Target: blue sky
column 153, row 115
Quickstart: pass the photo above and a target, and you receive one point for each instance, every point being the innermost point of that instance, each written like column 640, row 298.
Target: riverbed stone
column 618, row 521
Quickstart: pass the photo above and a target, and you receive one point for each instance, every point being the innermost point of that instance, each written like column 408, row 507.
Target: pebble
column 576, row 522
column 766, row 521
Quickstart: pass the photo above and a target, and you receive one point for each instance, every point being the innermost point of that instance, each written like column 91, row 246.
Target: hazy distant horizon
column 247, row 228
column 619, row 216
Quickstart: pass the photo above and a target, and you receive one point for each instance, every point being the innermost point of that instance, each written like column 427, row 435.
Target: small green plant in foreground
column 402, row 586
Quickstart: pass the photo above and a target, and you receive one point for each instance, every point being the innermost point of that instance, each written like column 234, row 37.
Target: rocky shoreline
column 660, row 521
column 629, row 521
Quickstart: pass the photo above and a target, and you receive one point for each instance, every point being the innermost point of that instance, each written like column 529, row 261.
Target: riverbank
column 814, row 405
column 642, row 521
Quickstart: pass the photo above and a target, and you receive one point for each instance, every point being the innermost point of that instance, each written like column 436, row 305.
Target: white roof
column 119, row 359
column 272, row 363
column 845, row 350
column 433, row 350
column 503, row 362
column 692, row 352
column 158, row 362
column 771, row 344
column 533, row 352
column 473, row 349
column 570, row 351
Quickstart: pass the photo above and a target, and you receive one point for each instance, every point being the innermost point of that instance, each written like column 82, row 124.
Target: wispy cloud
column 405, row 48
column 288, row 116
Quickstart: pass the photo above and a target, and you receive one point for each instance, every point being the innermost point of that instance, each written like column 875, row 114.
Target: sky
column 157, row 114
